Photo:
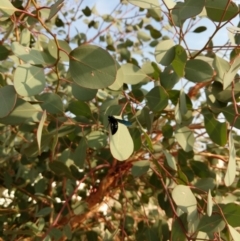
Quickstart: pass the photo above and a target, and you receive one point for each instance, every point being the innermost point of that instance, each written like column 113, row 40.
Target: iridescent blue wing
column 124, row 122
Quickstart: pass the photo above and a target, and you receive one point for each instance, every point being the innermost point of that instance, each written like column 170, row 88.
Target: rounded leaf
column 8, row 98
column 61, row 169
column 92, row 67
column 216, row 130
column 97, row 140
column 53, row 49
column 4, row 52
column 157, row 99
column 82, row 93
column 118, row 83
column 133, row 75
column 197, row 70
column 140, row 167
column 51, row 102
column 221, row 10
column 80, row 108
column 28, row 55
column 164, row 53
column 29, row 80
column 23, row 112
column 184, row 198
column 185, row 138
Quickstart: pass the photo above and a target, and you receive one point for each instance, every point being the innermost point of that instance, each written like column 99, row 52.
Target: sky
column 194, row 41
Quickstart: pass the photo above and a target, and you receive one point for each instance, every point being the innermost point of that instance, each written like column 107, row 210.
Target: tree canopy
column 166, row 167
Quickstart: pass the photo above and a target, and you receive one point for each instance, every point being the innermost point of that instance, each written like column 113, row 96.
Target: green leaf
column 231, row 168
column 167, row 131
column 144, row 118
column 87, row 11
column 145, row 4
column 152, row 233
column 83, row 94
column 179, row 60
column 51, row 102
column 151, row 69
column 183, row 157
column 209, row 204
column 92, row 67
column 177, row 228
column 80, row 153
column 185, row 10
column 25, row 37
column 221, row 66
column 155, row 13
column 29, row 80
column 23, row 112
column 55, row 234
column 184, row 198
column 55, row 8
column 4, row 52
column 137, row 95
column 182, row 178
column 182, row 114
column 157, row 99
column 177, row 114
column 8, row 98
column 216, row 130
column 6, row 9
column 60, row 169
column 92, row 236
column 142, row 35
column 97, row 140
column 185, row 138
column 136, row 136
column 32, row 150
column 197, row 70
column 221, row 10
column 225, row 96
column 119, row 80
column 212, row 224
column 155, row 33
column 40, row 129
column 170, row 160
column 201, row 169
column 28, row 55
column 234, row 233
column 205, row 184
column 133, row 75
column 229, row 113
column 56, row 48
column 8, row 180
column 168, row 78
column 80, row 108
column 139, row 168
column 200, row 29
column 231, row 212
column 164, row 52
column 230, row 75
column 67, row 231
column 43, row 212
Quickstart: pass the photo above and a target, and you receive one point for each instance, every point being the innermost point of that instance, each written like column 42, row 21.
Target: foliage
column 59, row 84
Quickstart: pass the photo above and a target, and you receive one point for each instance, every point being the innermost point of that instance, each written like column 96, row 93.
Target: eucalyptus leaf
column 92, row 67
column 8, row 98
